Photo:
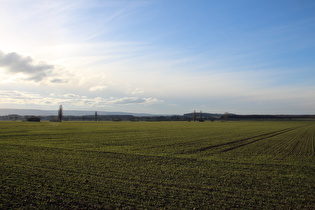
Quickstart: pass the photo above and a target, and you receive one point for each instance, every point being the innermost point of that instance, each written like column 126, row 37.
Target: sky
column 158, row 56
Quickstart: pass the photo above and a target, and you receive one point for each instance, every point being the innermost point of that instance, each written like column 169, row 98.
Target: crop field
column 149, row 165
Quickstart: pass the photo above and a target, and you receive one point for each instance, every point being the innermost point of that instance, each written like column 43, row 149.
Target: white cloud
column 24, row 67
column 137, row 91
column 98, row 88
column 70, row 95
column 57, row 80
column 132, row 100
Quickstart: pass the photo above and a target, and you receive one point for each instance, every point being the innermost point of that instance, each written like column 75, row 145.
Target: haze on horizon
column 159, row 56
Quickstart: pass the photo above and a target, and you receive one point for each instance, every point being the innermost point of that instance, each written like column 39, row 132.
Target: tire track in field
column 243, row 142
column 259, row 139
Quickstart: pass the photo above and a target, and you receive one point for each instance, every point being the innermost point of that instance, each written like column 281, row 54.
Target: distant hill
column 38, row 112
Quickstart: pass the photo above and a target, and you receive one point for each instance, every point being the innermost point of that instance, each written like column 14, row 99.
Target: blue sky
column 158, row 56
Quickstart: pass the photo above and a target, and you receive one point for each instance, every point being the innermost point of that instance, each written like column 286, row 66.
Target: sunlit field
column 269, row 165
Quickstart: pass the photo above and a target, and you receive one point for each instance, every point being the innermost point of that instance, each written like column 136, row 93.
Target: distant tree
column 195, row 116
column 201, row 119
column 95, row 116
column 60, row 113
column 226, row 116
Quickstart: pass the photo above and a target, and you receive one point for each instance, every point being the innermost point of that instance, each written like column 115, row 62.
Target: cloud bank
column 73, row 100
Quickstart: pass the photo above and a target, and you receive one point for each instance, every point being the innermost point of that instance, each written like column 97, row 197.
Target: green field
column 148, row 165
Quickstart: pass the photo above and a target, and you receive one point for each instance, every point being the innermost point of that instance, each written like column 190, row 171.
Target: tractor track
column 259, row 139
column 243, row 142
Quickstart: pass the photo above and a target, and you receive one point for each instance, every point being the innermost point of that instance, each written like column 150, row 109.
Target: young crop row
column 296, row 144
column 51, row 178
column 157, row 165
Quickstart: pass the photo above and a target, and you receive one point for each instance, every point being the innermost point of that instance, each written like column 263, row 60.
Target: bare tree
column 60, row 113
column 201, row 119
